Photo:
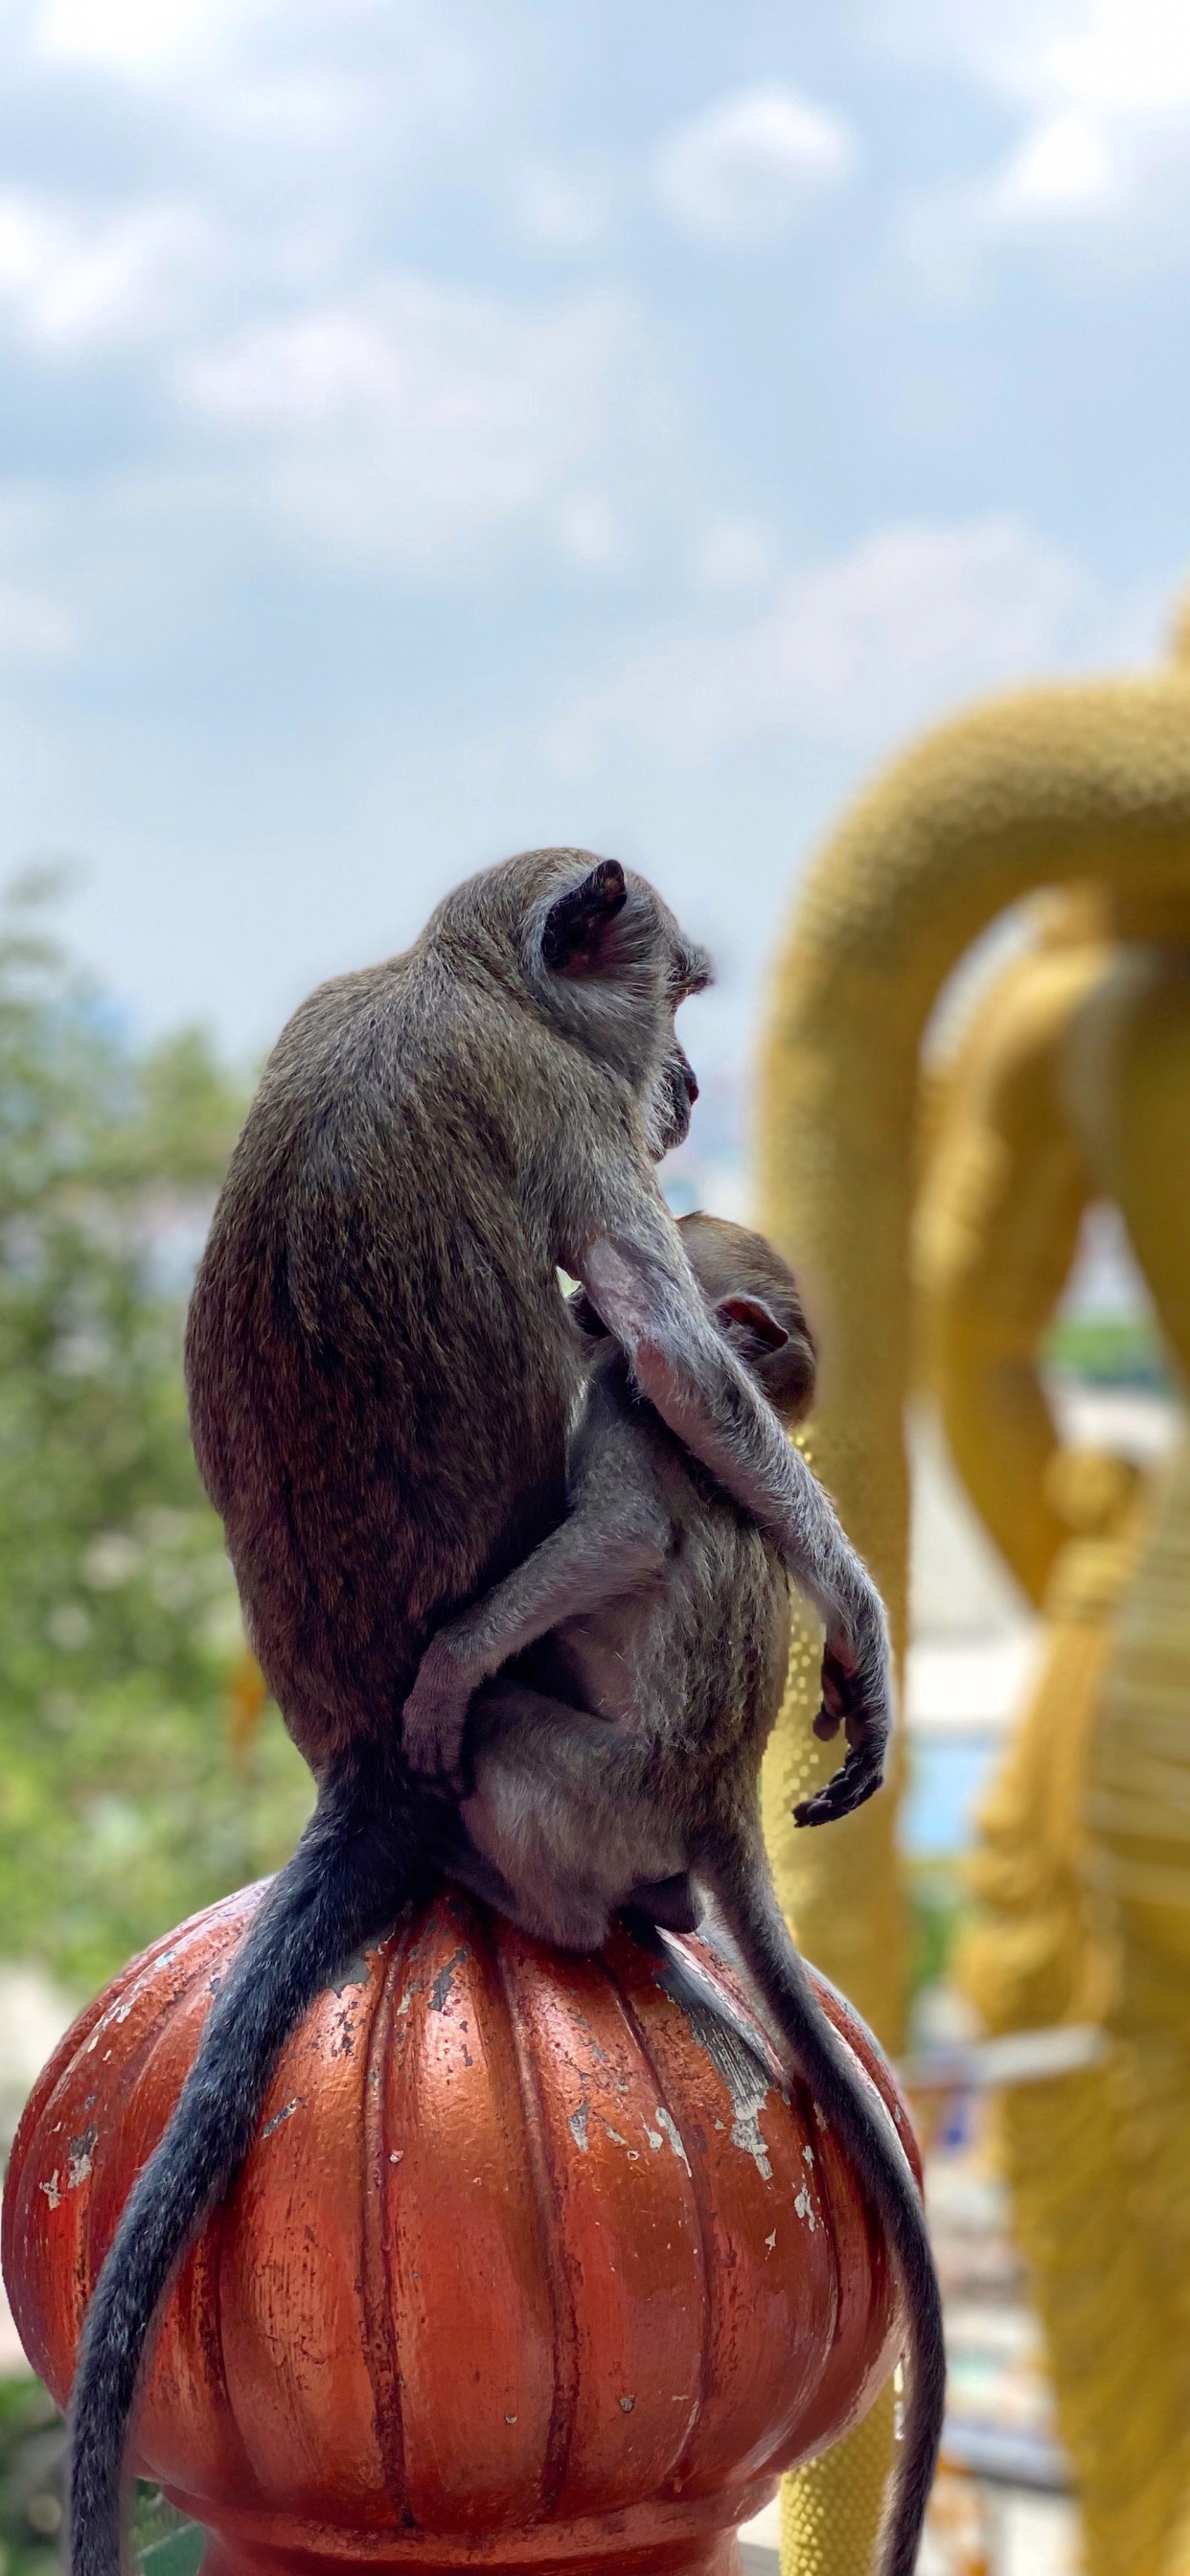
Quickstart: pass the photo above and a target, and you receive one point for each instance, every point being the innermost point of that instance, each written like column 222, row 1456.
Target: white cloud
column 138, row 37
column 32, row 628
column 369, row 78
column 1065, row 164
column 855, row 652
column 742, row 171
column 416, row 420
column 74, row 281
column 1109, row 57
column 1104, row 91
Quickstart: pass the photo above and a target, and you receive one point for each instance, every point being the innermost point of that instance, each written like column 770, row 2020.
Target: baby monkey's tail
column 737, row 1875
column 347, row 1879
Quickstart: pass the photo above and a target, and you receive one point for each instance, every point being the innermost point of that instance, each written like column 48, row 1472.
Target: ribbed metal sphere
column 529, row 2266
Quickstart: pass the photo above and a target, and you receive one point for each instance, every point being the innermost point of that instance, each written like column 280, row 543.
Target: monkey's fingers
column 851, row 1787
column 432, row 1742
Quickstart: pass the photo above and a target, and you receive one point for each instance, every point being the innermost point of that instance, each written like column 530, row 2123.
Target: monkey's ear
column 578, row 937
column 753, row 1321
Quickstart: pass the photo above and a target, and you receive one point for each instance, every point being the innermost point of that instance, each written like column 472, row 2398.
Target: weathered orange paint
column 520, row 2273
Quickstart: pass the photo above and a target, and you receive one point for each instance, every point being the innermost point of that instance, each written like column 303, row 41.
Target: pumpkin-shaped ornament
column 531, row 2266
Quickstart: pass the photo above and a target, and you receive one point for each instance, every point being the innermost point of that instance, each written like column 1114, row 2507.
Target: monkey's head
column 593, row 946
column 755, row 1301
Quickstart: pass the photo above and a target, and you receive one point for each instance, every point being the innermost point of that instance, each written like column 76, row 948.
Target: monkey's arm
column 646, row 1294
column 614, row 1539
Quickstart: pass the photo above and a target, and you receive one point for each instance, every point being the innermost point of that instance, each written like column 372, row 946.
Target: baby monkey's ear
column 750, row 1326
column 579, row 934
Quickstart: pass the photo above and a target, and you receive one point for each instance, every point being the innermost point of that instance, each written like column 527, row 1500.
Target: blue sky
column 428, row 429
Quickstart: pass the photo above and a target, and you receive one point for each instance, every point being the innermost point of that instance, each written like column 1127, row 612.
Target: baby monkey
column 607, row 1706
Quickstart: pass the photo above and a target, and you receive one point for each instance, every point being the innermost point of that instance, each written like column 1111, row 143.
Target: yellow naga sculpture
column 1085, row 785
column 1074, row 1081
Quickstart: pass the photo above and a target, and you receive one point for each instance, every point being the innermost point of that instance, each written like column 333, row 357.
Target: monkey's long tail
column 347, row 1879
column 737, row 1874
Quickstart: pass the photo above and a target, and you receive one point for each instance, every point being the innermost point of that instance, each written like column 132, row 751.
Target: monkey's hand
column 856, row 1695
column 434, row 1717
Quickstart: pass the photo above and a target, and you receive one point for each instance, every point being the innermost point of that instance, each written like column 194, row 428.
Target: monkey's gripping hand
column 434, row 1717
column 857, row 1696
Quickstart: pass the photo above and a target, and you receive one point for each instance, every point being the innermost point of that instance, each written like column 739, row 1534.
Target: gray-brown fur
column 618, row 1688
column 381, row 1372
column 612, row 1765
column 382, row 1379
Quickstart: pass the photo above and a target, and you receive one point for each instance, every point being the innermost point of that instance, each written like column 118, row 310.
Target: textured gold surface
column 1084, row 1858
column 1079, row 786
column 831, row 2510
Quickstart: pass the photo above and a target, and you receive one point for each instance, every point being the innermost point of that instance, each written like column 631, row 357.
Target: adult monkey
column 382, row 1374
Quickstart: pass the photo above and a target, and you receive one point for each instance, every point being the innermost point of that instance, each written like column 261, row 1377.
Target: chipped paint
column 805, row 2208
column 673, row 2134
column 770, row 2243
column 50, row 2188
column 577, row 2125
column 808, row 2155
column 734, row 2051
column 746, row 2133
column 356, row 1972
column 614, row 2135
column 285, row 2113
column 656, row 2141
column 346, row 2031
column 440, row 1990
column 80, row 2167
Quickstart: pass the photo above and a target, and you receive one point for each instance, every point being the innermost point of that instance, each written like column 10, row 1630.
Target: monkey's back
column 380, row 1366
column 716, row 1651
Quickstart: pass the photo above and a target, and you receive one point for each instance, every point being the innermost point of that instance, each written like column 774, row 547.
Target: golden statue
column 1085, row 785
column 1084, row 1874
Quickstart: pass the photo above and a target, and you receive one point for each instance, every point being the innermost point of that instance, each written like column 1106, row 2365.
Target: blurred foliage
column 939, row 1907
column 32, row 2496
column 1111, row 1350
column 121, row 1807
column 32, row 2469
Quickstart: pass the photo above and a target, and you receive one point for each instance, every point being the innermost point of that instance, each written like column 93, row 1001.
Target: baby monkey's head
column 754, row 1297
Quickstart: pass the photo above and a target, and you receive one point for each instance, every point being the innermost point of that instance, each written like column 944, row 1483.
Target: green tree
column 121, row 1806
